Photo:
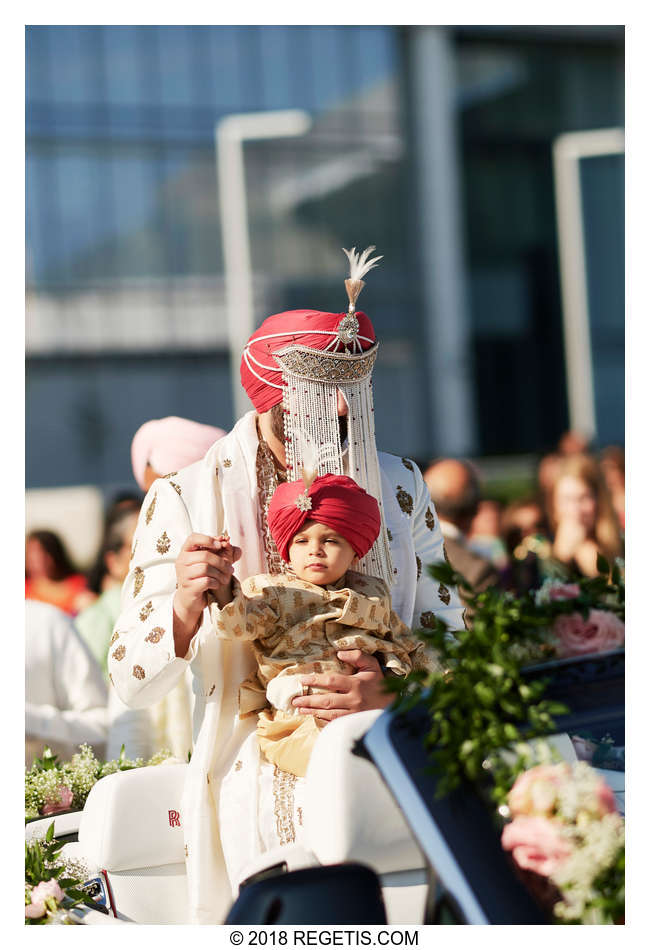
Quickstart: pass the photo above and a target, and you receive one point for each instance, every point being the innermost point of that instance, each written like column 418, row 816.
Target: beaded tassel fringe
column 313, row 441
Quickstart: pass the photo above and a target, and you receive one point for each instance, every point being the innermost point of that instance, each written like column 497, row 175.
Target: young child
column 297, row 621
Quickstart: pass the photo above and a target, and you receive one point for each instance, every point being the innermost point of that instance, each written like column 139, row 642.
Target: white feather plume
column 359, row 263
column 313, row 456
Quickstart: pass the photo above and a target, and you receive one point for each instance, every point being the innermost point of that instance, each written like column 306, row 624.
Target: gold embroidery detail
column 227, row 463
column 326, row 367
column 113, row 638
column 418, row 564
column 135, row 544
column 430, row 520
column 428, row 619
column 283, row 786
column 170, row 474
column 151, row 509
column 444, row 551
column 268, row 479
column 186, row 852
column 405, row 500
column 156, row 634
column 407, row 463
column 177, row 488
column 110, row 676
column 163, row 543
column 119, row 652
column 138, row 672
column 138, row 581
column 299, row 813
column 354, row 604
column 146, row 610
column 238, row 765
column 443, row 594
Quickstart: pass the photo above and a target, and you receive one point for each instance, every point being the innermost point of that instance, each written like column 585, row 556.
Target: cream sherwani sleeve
column 431, row 598
column 142, row 663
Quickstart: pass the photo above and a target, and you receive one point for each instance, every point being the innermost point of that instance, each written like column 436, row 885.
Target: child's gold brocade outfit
column 295, row 628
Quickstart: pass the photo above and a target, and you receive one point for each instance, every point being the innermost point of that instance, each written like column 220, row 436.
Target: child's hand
column 225, row 550
column 224, row 547
column 204, row 564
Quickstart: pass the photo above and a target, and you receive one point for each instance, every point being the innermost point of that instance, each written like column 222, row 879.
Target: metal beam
column 230, row 135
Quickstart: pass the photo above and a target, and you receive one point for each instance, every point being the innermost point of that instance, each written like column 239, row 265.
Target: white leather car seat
column 131, row 828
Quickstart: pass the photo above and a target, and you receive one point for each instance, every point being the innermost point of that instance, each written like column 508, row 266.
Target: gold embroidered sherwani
column 296, row 627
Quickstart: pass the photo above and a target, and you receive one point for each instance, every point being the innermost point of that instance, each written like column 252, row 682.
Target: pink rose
column 62, row 803
column 563, row 591
column 536, row 844
column 35, row 909
column 535, row 791
column 601, row 631
column 47, row 889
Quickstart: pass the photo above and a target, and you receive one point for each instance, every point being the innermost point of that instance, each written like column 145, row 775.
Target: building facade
column 434, row 144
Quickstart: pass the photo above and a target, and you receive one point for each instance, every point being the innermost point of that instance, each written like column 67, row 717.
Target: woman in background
column 50, row 575
column 582, row 517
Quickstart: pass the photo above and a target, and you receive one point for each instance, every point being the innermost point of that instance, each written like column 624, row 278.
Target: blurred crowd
column 575, row 512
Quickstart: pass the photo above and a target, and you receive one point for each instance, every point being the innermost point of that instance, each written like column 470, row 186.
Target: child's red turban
column 333, row 500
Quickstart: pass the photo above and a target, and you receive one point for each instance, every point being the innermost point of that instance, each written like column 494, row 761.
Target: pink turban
column 261, row 377
column 169, row 444
column 336, row 501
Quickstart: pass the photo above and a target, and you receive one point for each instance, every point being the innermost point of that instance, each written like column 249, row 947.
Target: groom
column 308, row 375
column 296, row 361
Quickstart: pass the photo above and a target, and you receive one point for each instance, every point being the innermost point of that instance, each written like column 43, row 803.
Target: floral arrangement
column 585, row 617
column 52, row 885
column 52, row 787
column 484, row 710
column 565, row 828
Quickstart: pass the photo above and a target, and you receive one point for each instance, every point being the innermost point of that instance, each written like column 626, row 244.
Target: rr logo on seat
column 174, row 818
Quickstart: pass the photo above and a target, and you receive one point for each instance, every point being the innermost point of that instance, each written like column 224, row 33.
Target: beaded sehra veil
column 310, row 380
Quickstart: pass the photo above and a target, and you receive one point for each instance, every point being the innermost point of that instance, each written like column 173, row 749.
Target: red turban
column 336, row 501
column 260, row 375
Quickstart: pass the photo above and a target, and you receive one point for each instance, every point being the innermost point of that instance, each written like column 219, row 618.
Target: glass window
column 515, row 96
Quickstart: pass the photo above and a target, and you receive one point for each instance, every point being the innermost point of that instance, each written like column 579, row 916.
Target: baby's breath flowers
column 52, row 786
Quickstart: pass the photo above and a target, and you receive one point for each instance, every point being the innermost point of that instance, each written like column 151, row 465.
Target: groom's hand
column 204, row 563
column 346, row 692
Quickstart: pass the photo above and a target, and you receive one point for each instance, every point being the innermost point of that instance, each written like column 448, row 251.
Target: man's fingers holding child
column 345, row 693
